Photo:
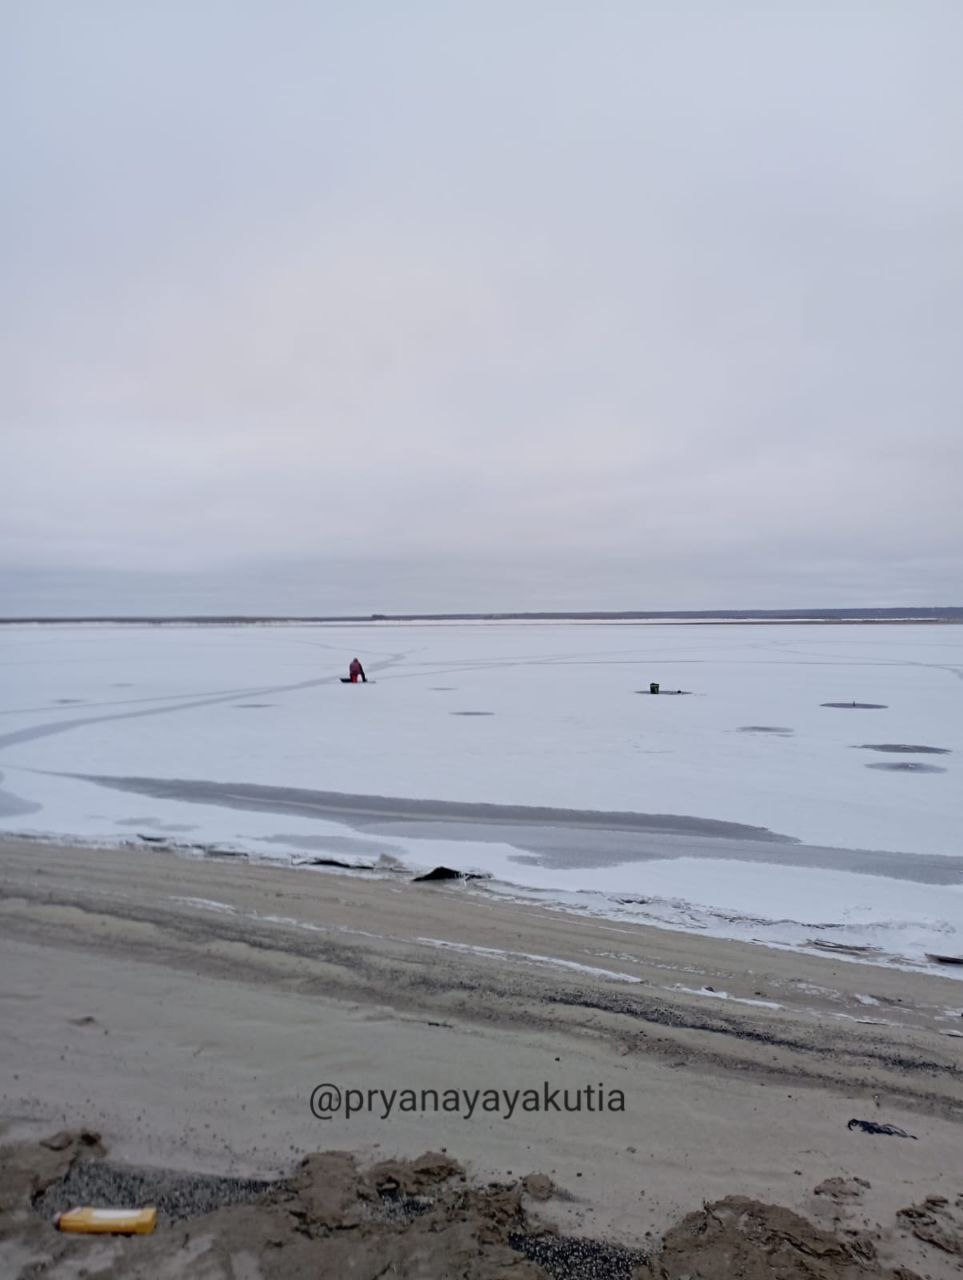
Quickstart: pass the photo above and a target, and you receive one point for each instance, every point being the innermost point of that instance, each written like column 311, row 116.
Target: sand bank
column 187, row 1010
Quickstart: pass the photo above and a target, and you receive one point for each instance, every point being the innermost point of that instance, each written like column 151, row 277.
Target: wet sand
column 185, row 1010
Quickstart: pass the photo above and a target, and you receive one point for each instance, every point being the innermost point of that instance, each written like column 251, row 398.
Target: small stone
column 538, row 1186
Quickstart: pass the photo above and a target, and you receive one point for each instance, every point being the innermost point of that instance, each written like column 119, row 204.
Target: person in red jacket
column 356, row 672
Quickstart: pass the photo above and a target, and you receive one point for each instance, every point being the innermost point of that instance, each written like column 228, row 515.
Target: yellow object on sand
column 137, row 1222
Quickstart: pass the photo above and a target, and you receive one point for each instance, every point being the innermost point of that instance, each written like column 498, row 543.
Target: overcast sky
column 612, row 304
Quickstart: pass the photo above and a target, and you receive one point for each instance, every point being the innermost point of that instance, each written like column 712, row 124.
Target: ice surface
column 262, row 707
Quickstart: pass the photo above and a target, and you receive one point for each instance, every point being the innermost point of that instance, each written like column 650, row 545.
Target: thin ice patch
column 906, row 766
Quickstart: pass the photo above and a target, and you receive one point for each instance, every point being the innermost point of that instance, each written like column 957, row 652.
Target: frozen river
column 749, row 806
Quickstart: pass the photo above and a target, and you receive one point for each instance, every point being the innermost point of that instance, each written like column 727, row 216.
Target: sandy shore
column 186, row 1010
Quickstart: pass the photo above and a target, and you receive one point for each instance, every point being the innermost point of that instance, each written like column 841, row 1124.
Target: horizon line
column 934, row 613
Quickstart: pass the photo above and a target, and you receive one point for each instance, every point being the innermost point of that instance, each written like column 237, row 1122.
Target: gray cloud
column 621, row 305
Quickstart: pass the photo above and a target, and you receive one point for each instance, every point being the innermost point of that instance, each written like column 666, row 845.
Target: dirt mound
column 936, row 1222
column 329, row 1219
column 27, row 1170
column 413, row 1220
column 742, row 1237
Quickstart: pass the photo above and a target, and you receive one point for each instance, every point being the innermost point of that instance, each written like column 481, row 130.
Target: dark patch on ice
column 122, row 684
column 471, row 713
column 906, row 766
column 903, row 747
column 67, row 702
column 666, row 693
column 382, row 865
column 442, row 688
column 568, row 850
column 253, row 706
column 12, row 806
column 549, row 837
column 857, row 706
column 447, row 873
column 402, row 813
column 334, row 862
column 766, row 728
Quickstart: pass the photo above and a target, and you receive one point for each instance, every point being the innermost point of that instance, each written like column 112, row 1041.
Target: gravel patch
column 176, row 1196
column 572, row 1258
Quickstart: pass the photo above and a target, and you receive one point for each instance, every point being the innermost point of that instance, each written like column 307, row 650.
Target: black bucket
column 654, row 687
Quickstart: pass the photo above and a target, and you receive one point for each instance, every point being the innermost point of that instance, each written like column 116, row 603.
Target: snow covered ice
column 745, row 809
